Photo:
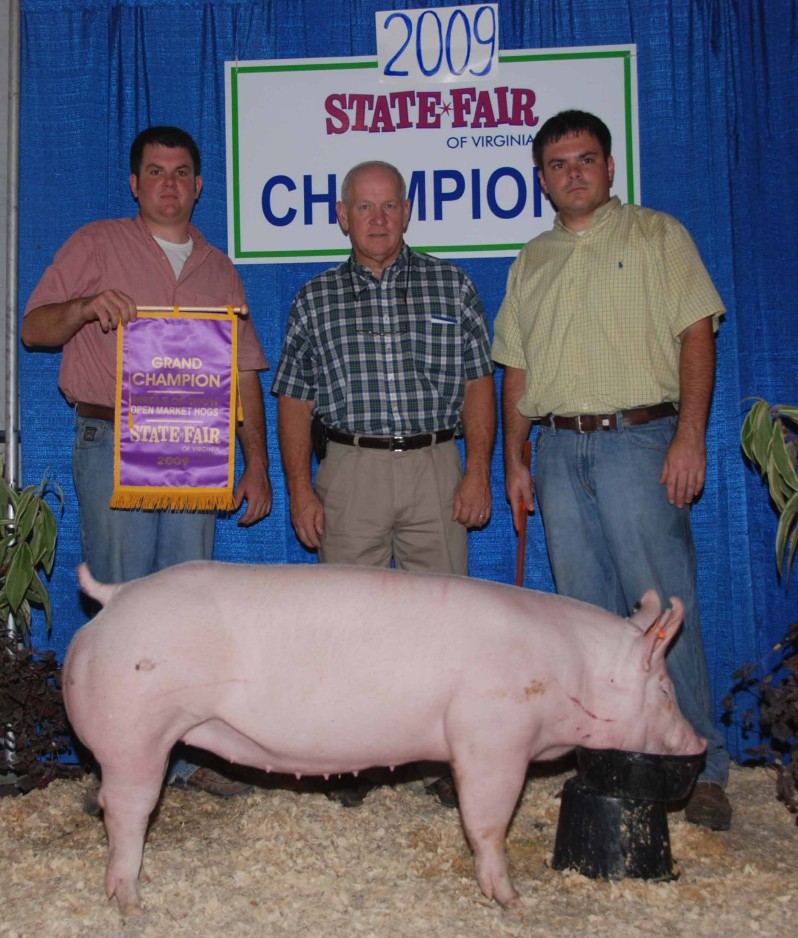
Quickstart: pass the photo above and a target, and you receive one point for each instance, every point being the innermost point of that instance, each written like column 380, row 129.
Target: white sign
column 447, row 44
column 295, row 127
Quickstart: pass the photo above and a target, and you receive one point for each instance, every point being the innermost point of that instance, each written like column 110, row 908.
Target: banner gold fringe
column 174, row 501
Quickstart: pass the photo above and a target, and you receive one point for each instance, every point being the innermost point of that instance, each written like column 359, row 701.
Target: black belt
column 417, row 441
column 96, row 412
column 589, row 423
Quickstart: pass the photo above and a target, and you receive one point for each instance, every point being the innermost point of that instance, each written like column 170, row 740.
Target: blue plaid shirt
column 389, row 356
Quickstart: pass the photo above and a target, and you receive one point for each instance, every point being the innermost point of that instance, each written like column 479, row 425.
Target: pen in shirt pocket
column 443, row 320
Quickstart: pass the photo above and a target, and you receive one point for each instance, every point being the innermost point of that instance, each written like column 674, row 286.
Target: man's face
column 375, row 217
column 166, row 189
column 577, row 178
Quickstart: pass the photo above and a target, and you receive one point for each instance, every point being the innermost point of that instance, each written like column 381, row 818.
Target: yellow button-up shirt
column 595, row 318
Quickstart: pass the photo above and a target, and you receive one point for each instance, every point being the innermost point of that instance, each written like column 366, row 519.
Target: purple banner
column 175, row 418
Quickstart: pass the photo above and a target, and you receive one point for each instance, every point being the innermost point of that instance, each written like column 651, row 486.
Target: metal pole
column 12, row 473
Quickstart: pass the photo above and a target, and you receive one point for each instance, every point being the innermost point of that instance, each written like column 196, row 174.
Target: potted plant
column 769, row 436
column 32, row 713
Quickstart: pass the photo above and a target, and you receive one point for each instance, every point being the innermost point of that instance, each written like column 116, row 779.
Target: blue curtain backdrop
column 718, row 82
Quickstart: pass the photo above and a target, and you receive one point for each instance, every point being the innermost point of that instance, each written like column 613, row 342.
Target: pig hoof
column 512, row 905
column 128, row 909
column 127, row 900
column 133, row 911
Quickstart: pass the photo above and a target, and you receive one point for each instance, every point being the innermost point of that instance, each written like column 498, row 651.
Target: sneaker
column 214, row 783
column 709, row 807
column 91, row 799
column 444, row 790
column 350, row 796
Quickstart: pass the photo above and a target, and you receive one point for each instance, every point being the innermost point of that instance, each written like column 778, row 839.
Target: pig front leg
column 127, row 805
column 488, row 790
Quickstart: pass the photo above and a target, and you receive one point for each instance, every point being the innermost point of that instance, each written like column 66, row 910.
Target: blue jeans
column 121, row 545
column 612, row 535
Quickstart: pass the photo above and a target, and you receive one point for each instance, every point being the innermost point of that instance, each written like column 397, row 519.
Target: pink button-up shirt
column 121, row 254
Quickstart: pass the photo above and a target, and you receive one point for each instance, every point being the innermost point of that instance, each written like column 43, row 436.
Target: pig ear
column 646, row 611
column 661, row 633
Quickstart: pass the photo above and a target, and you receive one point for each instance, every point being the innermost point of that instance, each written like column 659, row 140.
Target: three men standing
column 606, row 335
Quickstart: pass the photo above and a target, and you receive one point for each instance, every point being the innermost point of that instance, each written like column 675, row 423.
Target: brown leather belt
column 96, row 412
column 399, row 443
column 589, row 423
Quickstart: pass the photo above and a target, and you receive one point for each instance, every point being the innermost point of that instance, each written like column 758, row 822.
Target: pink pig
column 321, row 669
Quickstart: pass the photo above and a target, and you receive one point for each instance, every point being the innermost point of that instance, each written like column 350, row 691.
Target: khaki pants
column 380, row 505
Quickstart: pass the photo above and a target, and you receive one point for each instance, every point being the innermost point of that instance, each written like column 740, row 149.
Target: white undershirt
column 178, row 254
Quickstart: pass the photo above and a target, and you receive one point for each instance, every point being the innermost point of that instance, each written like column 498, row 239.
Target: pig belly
column 349, row 738
column 328, row 749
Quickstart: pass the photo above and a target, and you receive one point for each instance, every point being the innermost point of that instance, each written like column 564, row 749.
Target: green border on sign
column 343, row 253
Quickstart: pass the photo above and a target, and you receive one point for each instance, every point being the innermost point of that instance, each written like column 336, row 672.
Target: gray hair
column 346, row 185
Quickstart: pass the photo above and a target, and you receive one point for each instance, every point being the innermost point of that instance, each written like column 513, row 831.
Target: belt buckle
column 579, row 424
column 397, row 444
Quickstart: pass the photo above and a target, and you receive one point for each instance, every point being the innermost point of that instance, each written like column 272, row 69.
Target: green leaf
column 20, row 573
column 785, row 465
column 785, row 410
column 792, row 545
column 27, row 546
column 38, row 593
column 749, row 426
column 787, row 520
column 775, row 487
column 44, row 539
column 762, row 435
column 27, row 512
column 22, row 617
column 13, row 498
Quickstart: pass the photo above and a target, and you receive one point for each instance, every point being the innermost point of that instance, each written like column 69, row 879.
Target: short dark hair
column 566, row 124
column 166, row 137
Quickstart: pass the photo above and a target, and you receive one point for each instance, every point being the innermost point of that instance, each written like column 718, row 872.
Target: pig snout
column 684, row 742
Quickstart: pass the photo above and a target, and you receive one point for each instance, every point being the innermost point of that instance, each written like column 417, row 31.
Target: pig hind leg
column 488, row 790
column 128, row 799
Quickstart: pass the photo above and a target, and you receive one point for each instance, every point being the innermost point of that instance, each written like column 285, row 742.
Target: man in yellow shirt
column 606, row 333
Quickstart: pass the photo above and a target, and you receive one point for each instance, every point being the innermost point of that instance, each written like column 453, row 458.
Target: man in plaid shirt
column 390, row 352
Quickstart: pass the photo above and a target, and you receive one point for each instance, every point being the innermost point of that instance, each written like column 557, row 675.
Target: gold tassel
column 183, row 501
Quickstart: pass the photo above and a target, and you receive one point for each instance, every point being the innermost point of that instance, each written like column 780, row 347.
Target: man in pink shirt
column 94, row 284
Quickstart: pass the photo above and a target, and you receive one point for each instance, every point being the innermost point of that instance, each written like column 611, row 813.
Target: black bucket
column 613, row 821
column 638, row 774
column 607, row 837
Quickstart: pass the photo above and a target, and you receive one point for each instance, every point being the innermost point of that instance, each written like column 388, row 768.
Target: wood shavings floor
column 279, row 862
